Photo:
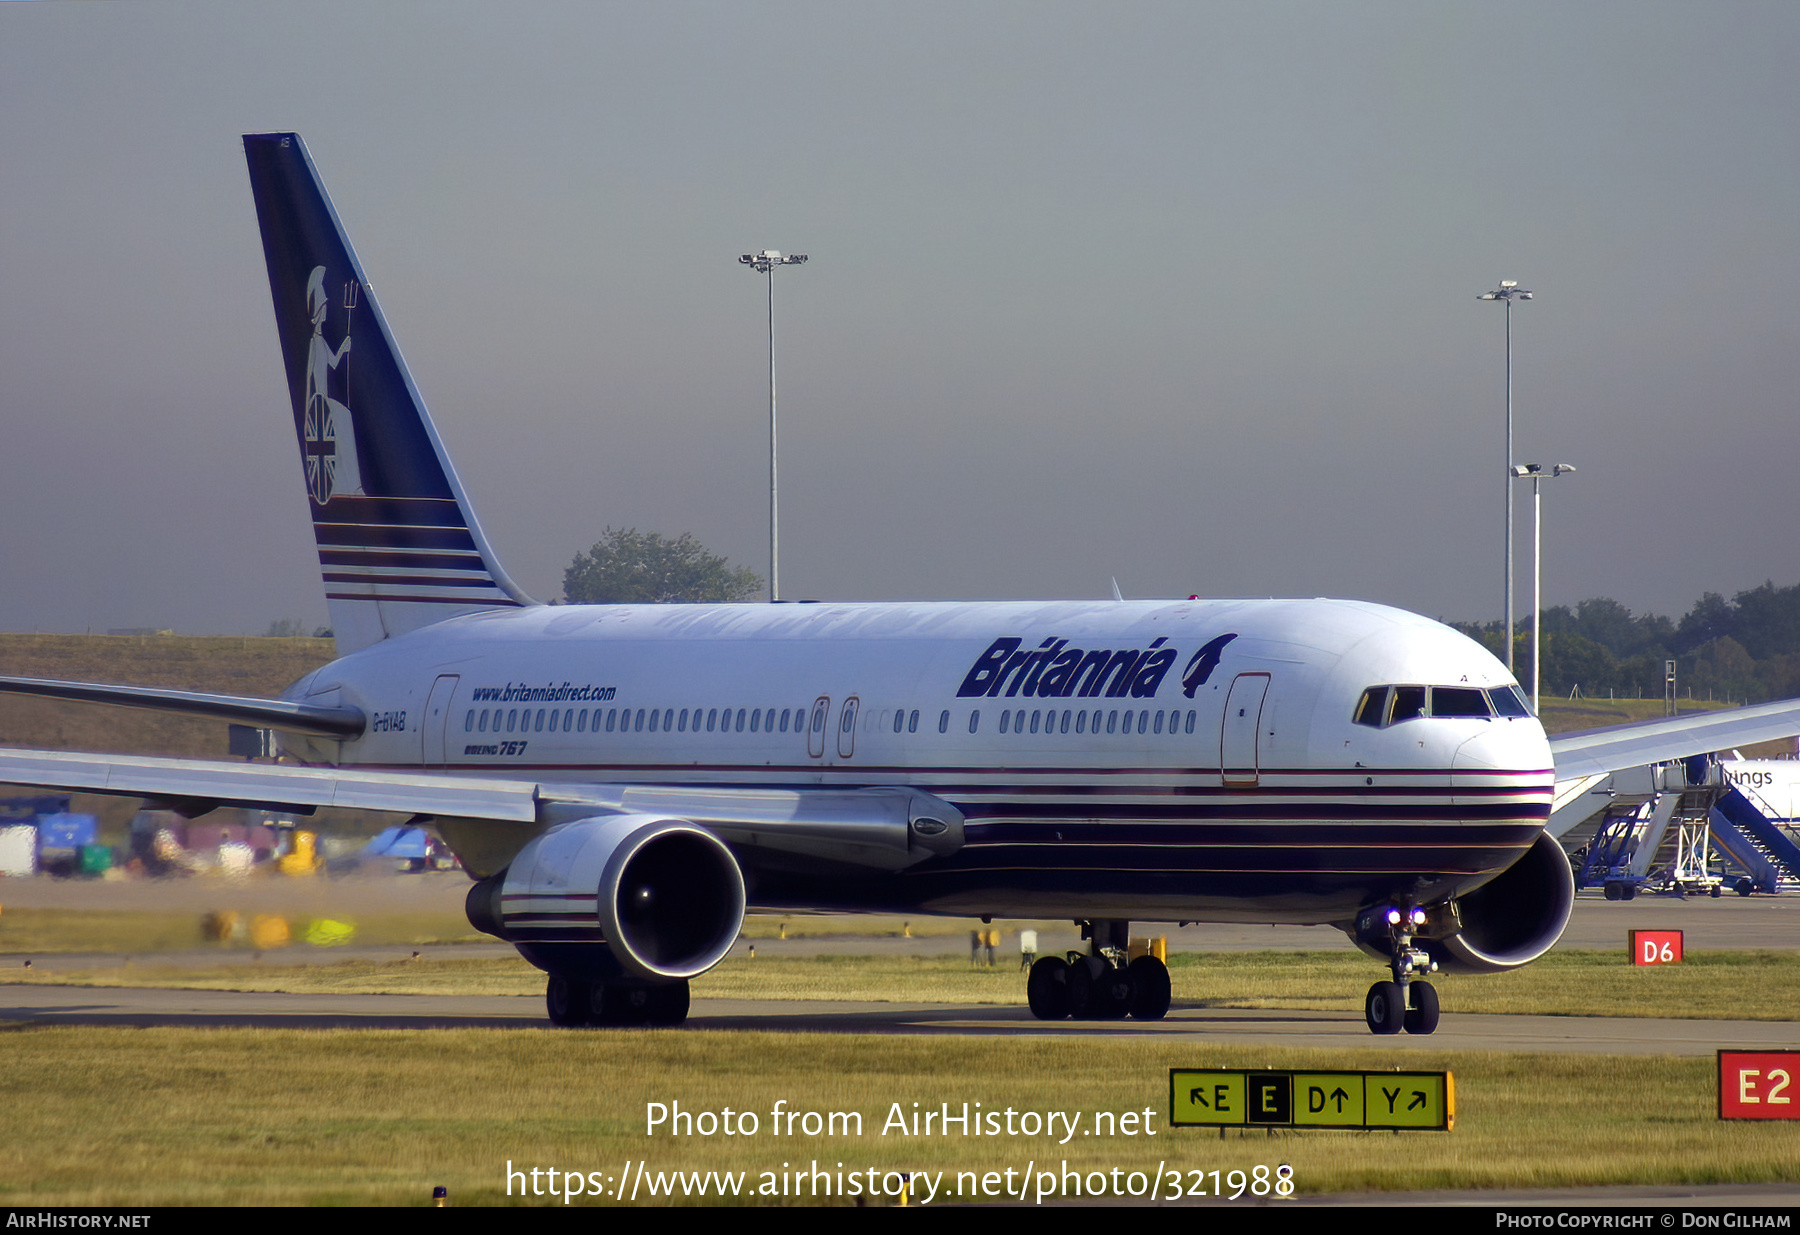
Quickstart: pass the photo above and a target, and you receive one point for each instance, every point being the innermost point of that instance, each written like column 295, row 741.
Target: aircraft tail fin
column 399, row 546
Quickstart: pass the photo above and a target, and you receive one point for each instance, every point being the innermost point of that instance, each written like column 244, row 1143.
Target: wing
column 1600, row 752
column 195, row 786
column 884, row 829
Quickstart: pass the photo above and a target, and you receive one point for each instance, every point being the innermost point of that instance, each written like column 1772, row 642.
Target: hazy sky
column 1183, row 294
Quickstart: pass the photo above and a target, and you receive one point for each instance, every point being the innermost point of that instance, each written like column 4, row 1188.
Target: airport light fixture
column 764, row 263
column 1536, row 474
column 1508, row 291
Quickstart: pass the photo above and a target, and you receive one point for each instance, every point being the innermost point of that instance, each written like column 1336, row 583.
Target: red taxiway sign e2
column 1759, row 1084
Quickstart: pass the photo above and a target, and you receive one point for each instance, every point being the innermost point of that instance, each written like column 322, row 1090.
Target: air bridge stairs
column 1659, row 837
column 1655, row 842
column 1747, row 836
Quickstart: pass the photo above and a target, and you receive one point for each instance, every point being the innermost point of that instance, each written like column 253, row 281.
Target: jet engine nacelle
column 664, row 896
column 1509, row 921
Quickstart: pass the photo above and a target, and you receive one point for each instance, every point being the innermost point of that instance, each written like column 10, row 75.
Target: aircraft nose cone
column 1509, row 762
column 1493, row 750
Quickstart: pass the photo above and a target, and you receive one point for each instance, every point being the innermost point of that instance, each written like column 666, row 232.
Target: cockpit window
column 1508, row 701
column 1409, row 702
column 1462, row 701
column 1373, row 708
column 1381, row 706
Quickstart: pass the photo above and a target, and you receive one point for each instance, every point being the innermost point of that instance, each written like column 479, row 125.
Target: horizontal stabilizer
column 308, row 718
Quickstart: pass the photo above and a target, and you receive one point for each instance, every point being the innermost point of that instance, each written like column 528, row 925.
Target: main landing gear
column 1104, row 984
column 572, row 1004
column 1406, row 1002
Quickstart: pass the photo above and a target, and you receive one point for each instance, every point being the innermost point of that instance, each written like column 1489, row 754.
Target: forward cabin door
column 435, row 724
column 1243, row 722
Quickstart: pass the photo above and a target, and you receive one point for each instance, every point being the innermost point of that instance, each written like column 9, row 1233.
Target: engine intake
column 664, row 896
column 1509, row 921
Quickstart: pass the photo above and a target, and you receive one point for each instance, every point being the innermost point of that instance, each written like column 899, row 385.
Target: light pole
column 1535, row 473
column 1508, row 291
column 764, row 263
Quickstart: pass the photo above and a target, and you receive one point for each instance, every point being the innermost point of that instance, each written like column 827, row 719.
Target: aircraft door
column 1243, row 721
column 847, row 729
column 435, row 724
column 815, row 728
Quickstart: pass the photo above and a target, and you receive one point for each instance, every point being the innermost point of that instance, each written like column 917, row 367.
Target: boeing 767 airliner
column 625, row 782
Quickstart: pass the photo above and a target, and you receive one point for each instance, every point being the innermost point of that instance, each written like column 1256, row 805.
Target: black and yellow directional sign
column 1233, row 1097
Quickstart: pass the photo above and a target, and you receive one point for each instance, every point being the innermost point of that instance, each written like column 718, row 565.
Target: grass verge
column 204, row 1116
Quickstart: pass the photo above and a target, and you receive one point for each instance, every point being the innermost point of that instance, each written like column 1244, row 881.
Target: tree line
column 1746, row 649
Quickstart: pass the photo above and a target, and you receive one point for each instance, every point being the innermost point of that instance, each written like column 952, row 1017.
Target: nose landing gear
column 1102, row 984
column 1407, row 1002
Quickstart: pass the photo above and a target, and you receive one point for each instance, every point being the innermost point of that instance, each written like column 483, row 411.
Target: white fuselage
column 1168, row 760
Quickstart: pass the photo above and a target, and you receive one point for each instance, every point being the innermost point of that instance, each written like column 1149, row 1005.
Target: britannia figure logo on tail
column 330, row 445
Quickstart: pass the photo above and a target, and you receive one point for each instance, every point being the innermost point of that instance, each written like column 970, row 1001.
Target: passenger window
column 944, row 721
column 975, row 720
column 1034, row 721
column 912, row 722
column 1190, row 721
column 899, row 719
column 1005, row 721
column 1081, row 722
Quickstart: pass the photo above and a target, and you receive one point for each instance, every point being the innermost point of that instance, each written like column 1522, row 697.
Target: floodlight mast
column 1534, row 472
column 1508, row 291
column 764, row 263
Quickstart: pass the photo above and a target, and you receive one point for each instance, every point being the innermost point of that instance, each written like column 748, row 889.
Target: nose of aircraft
column 1505, row 746
column 1508, row 755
